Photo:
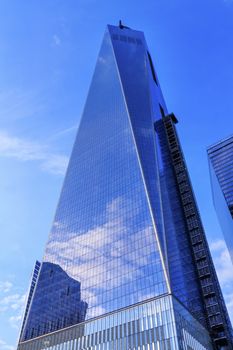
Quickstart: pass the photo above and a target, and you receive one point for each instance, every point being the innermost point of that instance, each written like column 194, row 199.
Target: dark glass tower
column 179, row 194
column 35, row 275
column 221, row 173
column 127, row 264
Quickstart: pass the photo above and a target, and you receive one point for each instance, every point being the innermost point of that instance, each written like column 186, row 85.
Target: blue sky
column 48, row 51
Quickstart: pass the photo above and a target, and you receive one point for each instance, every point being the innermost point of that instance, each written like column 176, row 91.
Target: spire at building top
column 122, row 26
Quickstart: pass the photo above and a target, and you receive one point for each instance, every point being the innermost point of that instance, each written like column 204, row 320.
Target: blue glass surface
column 182, row 269
column 221, row 174
column 104, row 235
column 134, row 68
column 162, row 323
column 57, row 302
column 140, row 89
column 119, row 235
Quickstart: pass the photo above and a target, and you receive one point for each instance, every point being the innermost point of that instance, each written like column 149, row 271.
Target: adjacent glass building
column 221, row 174
column 127, row 265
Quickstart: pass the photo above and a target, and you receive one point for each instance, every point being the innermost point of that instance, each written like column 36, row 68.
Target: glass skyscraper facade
column 221, row 174
column 127, row 265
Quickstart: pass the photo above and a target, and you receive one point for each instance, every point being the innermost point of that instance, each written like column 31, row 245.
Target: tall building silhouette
column 131, row 262
column 221, row 174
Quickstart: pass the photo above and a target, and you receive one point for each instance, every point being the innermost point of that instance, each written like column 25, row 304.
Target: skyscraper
column 127, row 265
column 221, row 174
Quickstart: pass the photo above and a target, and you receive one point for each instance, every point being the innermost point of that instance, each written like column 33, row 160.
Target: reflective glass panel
column 102, row 252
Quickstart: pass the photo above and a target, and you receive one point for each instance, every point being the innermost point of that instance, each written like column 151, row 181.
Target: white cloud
column 224, row 271
column 16, row 104
column 13, row 301
column 64, row 132
column 106, row 256
column 5, row 346
column 222, row 261
column 56, row 40
column 15, row 321
column 229, row 304
column 102, row 60
column 24, row 150
column 5, row 286
column 217, row 246
column 12, row 304
column 55, row 164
